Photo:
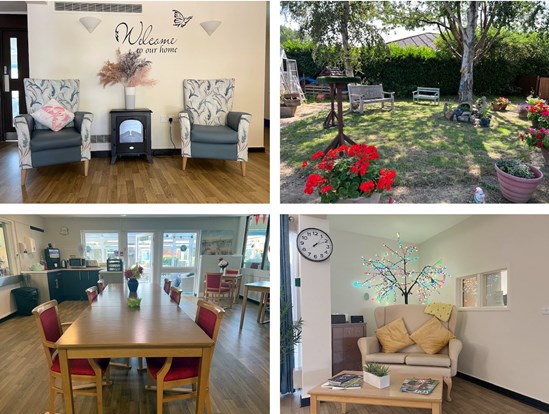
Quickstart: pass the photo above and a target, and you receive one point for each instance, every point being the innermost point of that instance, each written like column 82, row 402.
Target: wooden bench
column 367, row 94
column 427, row 94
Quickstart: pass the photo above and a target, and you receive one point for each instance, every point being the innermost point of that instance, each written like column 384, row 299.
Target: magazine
column 352, row 383
column 419, row 385
column 341, row 379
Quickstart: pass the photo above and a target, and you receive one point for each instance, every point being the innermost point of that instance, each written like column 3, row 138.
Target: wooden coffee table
column 390, row 396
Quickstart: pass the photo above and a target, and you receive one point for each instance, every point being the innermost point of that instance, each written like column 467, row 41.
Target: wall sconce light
column 90, row 23
column 210, row 26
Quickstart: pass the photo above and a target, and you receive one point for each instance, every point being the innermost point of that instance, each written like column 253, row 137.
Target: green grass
column 416, row 141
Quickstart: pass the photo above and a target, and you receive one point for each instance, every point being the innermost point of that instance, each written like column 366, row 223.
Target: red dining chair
column 232, row 284
column 175, row 294
column 91, row 292
column 167, row 285
column 176, row 372
column 90, row 371
column 100, row 286
column 214, row 290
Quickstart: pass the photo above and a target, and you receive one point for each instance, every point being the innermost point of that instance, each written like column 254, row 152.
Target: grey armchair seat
column 209, row 127
column 38, row 145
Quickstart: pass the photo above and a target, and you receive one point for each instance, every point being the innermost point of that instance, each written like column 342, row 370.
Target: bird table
column 337, row 84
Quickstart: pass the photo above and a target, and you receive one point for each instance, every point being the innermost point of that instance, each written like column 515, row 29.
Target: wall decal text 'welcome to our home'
column 143, row 36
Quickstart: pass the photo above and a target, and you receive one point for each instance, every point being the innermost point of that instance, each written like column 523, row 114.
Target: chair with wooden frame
column 170, row 373
column 266, row 302
column 91, row 292
column 214, row 290
column 234, row 284
column 89, row 371
column 175, row 294
column 100, row 286
column 167, row 285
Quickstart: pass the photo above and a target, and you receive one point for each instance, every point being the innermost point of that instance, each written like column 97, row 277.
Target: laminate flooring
column 239, row 378
column 467, row 398
column 134, row 180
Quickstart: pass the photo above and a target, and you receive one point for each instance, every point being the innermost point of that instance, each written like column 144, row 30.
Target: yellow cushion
column 394, row 336
column 440, row 310
column 432, row 336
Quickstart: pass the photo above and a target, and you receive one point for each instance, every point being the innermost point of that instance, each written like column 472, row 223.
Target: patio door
column 140, row 250
column 14, row 64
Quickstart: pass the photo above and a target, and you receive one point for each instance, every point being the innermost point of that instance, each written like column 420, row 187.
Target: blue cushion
column 218, row 134
column 45, row 139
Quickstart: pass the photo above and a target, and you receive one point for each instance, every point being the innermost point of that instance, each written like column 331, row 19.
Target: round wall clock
column 314, row 244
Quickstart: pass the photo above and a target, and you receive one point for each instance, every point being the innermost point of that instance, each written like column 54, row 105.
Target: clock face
column 314, row 244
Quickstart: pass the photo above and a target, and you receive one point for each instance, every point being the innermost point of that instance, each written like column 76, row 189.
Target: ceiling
column 7, row 7
column 412, row 228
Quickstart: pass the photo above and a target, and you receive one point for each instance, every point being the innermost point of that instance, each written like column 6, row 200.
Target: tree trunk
column 344, row 28
column 405, row 298
column 465, row 92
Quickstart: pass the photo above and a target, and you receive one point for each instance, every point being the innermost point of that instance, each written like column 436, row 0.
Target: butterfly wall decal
column 179, row 20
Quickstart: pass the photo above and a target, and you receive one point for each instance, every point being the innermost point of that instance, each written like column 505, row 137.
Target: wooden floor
column 467, row 398
column 239, row 375
column 133, row 180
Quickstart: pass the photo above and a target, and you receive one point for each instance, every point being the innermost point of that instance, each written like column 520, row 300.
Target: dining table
column 263, row 287
column 109, row 328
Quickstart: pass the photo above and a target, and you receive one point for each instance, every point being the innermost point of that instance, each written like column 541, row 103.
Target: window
column 101, row 246
column 256, row 242
column 483, row 290
column 179, row 257
column 5, row 265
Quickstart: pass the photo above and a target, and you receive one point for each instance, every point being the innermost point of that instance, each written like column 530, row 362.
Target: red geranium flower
column 367, row 187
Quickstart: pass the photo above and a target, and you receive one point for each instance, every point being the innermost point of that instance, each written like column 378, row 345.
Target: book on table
column 340, row 379
column 352, row 383
column 419, row 385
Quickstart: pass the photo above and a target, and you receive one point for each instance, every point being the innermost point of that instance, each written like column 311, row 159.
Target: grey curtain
column 286, row 323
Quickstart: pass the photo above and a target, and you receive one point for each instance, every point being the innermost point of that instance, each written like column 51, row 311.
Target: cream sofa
column 412, row 359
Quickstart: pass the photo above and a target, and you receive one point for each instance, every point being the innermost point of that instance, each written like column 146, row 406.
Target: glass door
column 141, row 251
column 15, row 67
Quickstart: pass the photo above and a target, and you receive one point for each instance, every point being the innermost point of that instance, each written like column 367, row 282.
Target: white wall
column 315, row 311
column 60, row 47
column 506, row 348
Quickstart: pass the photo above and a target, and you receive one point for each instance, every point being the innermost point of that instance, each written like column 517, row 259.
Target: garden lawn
column 436, row 160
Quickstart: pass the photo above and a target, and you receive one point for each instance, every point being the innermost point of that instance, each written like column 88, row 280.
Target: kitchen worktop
column 31, row 272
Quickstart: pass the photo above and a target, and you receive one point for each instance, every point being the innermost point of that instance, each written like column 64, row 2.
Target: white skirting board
column 7, row 301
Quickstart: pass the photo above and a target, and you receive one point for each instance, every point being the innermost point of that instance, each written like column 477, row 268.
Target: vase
column 130, row 97
column 133, row 284
column 485, row 122
column 545, row 153
column 375, row 381
column 516, row 189
column 373, row 199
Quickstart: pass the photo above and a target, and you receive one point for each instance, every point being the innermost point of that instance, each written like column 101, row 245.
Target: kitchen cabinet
column 75, row 283
column 55, row 286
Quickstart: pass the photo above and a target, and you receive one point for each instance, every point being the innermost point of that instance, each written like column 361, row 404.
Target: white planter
column 130, row 97
column 375, row 381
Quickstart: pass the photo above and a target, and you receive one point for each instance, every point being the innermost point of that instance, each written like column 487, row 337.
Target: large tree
column 469, row 28
column 336, row 28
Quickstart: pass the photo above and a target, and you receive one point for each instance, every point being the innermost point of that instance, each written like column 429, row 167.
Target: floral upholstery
column 209, row 103
column 38, row 92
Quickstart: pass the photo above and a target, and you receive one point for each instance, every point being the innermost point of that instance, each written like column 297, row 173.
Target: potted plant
column 133, row 274
column 538, row 138
column 348, row 174
column 131, row 70
column 500, row 104
column 484, row 116
column 377, row 375
column 538, row 114
column 517, row 180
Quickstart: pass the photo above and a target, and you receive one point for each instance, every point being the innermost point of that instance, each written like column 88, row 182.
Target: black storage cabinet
column 26, row 299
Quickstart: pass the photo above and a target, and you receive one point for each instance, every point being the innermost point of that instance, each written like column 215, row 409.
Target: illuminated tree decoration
column 390, row 275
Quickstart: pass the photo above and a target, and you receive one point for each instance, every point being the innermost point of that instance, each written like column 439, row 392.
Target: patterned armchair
column 208, row 127
column 38, row 145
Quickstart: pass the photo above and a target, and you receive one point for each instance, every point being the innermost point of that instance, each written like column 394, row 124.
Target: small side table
column 131, row 133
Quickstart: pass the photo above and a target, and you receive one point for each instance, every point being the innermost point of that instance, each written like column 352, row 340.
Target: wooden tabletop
column 258, row 285
column 117, row 293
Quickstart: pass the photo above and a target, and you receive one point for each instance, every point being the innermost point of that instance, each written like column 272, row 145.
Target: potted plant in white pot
column 377, row 375
column 517, row 180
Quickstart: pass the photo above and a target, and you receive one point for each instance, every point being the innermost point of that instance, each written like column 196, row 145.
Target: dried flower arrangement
column 130, row 69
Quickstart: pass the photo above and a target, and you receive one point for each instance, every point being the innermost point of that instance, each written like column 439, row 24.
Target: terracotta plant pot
column 515, row 189
column 496, row 107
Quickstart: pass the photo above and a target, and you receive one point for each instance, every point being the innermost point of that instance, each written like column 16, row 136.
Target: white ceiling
column 412, row 228
column 7, row 7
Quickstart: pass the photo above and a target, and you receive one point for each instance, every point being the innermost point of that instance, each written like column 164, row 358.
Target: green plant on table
column 515, row 168
column 376, row 369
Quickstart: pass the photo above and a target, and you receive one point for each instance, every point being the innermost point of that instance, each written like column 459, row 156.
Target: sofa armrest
column 454, row 348
column 24, row 125
column 185, row 125
column 82, row 123
column 240, row 121
column 368, row 345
